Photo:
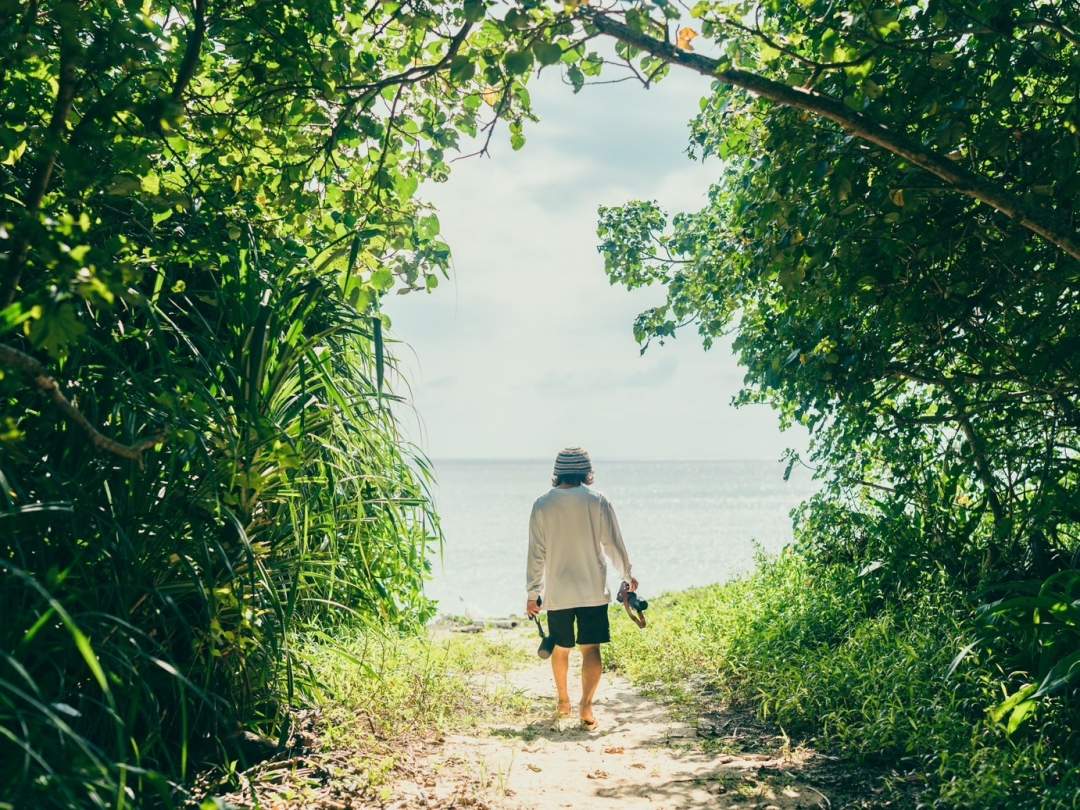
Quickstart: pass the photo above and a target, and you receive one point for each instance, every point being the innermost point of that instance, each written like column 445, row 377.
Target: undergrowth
column 380, row 687
column 823, row 654
column 380, row 698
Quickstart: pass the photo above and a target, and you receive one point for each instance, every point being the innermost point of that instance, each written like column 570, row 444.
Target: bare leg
column 592, row 667
column 560, row 665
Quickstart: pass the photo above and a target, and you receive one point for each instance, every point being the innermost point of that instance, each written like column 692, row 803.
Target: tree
column 856, row 277
column 867, row 39
column 929, row 342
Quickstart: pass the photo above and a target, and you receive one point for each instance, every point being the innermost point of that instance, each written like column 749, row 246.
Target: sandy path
column 641, row 757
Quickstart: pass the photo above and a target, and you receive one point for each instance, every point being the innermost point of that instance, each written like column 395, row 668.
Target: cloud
column 528, row 346
column 567, row 382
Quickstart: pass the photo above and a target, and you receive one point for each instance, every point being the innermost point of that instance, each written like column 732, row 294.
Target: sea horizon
column 699, row 522
column 604, row 460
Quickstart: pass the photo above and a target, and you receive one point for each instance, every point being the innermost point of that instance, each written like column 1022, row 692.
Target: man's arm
column 611, row 540
column 534, row 566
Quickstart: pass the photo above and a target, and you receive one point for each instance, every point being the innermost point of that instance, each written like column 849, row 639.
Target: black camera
column 637, row 604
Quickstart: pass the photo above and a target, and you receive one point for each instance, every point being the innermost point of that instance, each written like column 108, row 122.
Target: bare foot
column 588, row 719
column 562, row 715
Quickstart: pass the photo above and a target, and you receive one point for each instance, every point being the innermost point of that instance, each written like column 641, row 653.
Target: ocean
column 685, row 523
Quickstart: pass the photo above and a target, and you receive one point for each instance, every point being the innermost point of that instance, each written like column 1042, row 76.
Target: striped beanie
column 573, row 460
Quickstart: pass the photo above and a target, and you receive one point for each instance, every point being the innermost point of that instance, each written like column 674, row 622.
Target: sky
column 528, row 348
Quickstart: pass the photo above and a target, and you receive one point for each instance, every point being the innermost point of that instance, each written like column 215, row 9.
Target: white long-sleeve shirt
column 570, row 531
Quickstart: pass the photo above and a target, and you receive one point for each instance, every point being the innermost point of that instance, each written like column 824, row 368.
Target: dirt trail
column 640, row 757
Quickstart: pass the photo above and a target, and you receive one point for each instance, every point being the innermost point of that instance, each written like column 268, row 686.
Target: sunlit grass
column 379, row 704
column 815, row 652
column 375, row 686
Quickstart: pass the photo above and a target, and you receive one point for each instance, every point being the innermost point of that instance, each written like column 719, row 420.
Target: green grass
column 824, row 655
column 375, row 686
column 381, row 697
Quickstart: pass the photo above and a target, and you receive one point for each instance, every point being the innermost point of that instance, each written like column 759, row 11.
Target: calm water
column 685, row 523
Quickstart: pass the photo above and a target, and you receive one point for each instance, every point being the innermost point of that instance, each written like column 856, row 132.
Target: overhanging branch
column 190, row 62
column 12, row 358
column 861, row 126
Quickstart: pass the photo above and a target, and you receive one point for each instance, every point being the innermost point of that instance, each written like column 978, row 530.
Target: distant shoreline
column 510, row 460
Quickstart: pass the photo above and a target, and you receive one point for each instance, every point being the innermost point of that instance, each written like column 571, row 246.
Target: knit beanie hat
column 573, row 460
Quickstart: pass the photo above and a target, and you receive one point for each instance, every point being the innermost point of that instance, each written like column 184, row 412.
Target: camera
column 637, row 604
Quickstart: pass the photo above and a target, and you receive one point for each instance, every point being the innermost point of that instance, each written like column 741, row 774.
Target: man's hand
column 633, row 585
column 532, row 607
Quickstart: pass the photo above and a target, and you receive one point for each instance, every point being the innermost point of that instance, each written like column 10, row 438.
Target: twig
column 20, row 361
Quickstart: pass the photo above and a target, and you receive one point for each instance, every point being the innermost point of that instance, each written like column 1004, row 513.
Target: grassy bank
column 385, row 687
column 380, row 698
column 866, row 674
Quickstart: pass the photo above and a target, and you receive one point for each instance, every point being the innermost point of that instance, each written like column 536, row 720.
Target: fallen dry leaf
column 614, row 749
column 638, row 765
column 598, row 774
column 534, row 768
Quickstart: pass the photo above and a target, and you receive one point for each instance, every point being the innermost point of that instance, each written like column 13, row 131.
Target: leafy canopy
column 929, row 342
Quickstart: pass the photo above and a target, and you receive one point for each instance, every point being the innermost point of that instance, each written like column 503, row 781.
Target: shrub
column 820, row 651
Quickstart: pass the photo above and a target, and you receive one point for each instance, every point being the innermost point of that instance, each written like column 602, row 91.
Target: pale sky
column 527, row 348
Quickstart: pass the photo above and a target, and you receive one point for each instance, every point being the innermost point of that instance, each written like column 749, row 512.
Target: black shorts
column 592, row 625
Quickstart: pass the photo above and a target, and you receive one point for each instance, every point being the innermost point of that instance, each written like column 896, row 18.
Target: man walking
column 571, row 529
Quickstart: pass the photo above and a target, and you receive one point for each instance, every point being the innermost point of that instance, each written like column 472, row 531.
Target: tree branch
column 1054, row 25
column 30, row 367
column 978, row 451
column 412, row 75
column 861, row 126
column 190, row 62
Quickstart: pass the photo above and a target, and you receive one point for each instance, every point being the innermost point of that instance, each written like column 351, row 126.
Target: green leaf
column 518, row 62
column 592, row 65
column 516, row 136
column 473, row 10
column 380, row 363
column 1064, row 672
column 576, row 77
column 14, row 154
column 997, row 713
column 124, row 184
column 462, row 69
column 767, row 53
column 382, row 279
column 546, row 53
column 959, row 657
column 516, row 19
column 56, row 329
column 427, row 227
column 1020, row 713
